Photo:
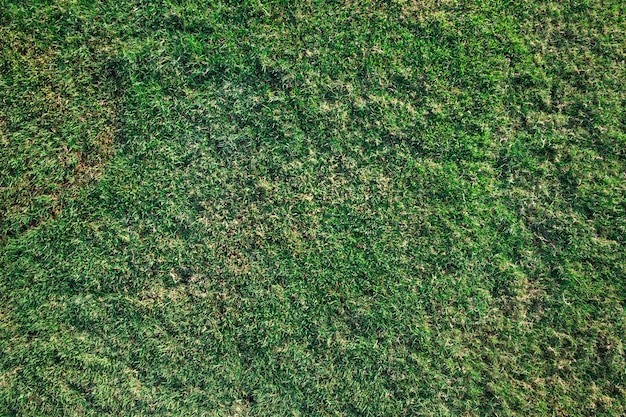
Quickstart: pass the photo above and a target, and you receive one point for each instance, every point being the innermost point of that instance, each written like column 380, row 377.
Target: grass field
column 315, row 208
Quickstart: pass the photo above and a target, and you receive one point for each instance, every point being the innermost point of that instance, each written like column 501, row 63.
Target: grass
column 320, row 208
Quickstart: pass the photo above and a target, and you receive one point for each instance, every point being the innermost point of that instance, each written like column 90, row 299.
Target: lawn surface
column 315, row 208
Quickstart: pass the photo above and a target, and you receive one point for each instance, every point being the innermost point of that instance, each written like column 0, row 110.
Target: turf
column 316, row 208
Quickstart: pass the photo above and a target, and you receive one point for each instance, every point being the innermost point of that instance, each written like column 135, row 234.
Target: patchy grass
column 323, row 208
column 58, row 117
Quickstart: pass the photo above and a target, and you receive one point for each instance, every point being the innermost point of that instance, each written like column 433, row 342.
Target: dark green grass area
column 317, row 208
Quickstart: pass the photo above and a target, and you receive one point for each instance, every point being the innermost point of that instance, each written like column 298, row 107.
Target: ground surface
column 348, row 208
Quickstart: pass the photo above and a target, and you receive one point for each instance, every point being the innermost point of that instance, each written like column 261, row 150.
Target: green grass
column 317, row 208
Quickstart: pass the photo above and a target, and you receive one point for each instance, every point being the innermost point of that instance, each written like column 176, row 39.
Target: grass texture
column 314, row 208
